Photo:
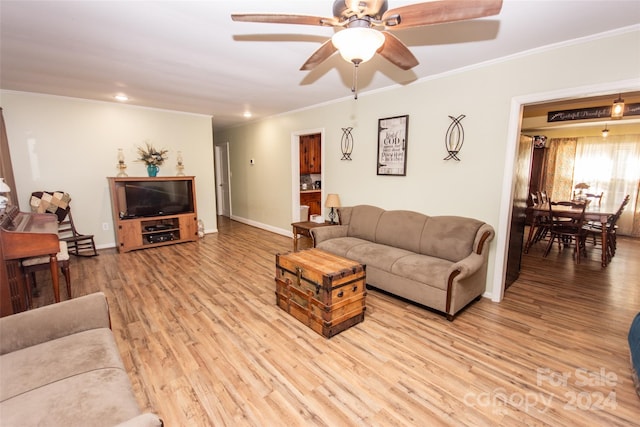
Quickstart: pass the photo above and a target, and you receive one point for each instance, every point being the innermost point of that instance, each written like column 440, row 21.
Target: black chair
column 566, row 220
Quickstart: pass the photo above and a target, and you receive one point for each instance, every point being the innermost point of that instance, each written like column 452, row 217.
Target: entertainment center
column 150, row 212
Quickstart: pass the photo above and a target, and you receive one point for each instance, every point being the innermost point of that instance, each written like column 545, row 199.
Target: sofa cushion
column 364, row 222
column 382, row 256
column 424, row 269
column 449, row 237
column 97, row 398
column 341, row 245
column 344, row 214
column 401, row 229
column 55, row 360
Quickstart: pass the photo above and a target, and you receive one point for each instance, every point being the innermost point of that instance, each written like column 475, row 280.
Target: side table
column 302, row 229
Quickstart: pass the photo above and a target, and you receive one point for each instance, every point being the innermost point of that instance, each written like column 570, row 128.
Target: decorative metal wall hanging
column 346, row 145
column 454, row 138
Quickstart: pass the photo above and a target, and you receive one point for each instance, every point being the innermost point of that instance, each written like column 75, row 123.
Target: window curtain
column 6, row 169
column 610, row 165
column 558, row 177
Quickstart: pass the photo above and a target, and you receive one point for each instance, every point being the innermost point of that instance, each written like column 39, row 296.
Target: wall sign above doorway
column 590, row 113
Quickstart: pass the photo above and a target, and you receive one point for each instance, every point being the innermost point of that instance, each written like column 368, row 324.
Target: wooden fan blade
column 438, row 12
column 325, row 51
column 275, row 18
column 396, row 52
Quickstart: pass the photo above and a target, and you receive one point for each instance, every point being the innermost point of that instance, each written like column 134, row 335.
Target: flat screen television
column 154, row 198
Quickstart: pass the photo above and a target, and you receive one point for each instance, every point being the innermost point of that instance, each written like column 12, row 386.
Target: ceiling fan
column 365, row 26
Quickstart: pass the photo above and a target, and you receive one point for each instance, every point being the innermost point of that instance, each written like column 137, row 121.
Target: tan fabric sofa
column 59, row 366
column 437, row 261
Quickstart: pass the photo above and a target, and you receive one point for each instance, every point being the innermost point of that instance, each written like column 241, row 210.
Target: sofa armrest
column 484, row 235
column 320, row 234
column 144, row 420
column 468, row 266
column 53, row 321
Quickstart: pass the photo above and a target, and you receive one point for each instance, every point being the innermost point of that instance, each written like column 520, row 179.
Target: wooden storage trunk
column 324, row 291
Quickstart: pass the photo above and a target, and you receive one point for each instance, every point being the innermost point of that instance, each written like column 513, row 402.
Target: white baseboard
column 288, row 233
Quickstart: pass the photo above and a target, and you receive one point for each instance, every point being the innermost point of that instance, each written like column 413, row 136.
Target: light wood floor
column 205, row 344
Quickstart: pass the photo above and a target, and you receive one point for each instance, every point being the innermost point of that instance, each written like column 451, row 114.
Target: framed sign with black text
column 392, row 145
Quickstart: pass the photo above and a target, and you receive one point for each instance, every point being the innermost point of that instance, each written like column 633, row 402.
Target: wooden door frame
column 508, row 182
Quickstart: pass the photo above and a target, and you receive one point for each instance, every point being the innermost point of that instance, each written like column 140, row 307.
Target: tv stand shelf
column 152, row 228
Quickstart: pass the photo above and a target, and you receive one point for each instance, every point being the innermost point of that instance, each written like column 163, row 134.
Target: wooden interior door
column 518, row 209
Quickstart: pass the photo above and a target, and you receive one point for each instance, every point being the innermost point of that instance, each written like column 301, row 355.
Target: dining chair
column 534, row 198
column 565, row 226
column 594, row 229
column 543, row 196
column 594, row 197
column 539, row 224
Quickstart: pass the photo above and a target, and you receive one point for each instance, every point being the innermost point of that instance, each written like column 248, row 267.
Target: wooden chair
column 58, row 203
column 539, row 224
column 79, row 244
column 543, row 196
column 565, row 226
column 595, row 198
column 595, row 229
column 31, row 265
column 534, row 198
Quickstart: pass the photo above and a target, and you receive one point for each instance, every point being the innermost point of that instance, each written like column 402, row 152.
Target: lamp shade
column 4, row 188
column 333, row 201
column 357, row 44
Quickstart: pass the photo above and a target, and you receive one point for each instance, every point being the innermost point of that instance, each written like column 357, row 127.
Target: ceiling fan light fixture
column 617, row 109
column 359, row 44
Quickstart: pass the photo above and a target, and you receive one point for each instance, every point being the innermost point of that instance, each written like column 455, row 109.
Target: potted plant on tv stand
column 152, row 158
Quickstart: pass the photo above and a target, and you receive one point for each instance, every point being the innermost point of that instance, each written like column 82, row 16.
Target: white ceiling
column 190, row 56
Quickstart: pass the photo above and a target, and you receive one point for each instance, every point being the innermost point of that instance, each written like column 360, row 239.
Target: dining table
column 594, row 212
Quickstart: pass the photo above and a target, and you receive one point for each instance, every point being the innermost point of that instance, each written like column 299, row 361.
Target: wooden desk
column 302, row 229
column 25, row 235
column 593, row 212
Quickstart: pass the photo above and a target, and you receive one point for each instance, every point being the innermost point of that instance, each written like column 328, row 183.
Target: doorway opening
column 307, row 179
column 223, row 183
column 511, row 206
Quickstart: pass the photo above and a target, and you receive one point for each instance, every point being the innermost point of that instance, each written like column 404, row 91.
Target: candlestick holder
column 121, row 165
column 180, row 166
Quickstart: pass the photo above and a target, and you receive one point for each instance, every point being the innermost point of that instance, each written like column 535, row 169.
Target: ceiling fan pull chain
column 354, row 87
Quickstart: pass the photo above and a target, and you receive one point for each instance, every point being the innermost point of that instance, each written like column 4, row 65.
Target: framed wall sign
column 392, row 145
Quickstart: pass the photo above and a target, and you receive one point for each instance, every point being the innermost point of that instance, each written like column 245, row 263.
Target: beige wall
column 70, row 144
column 477, row 186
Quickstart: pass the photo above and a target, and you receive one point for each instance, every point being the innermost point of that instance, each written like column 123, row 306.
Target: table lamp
column 333, row 201
column 4, row 188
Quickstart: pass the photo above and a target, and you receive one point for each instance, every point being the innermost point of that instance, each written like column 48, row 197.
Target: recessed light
column 247, row 114
column 121, row 98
